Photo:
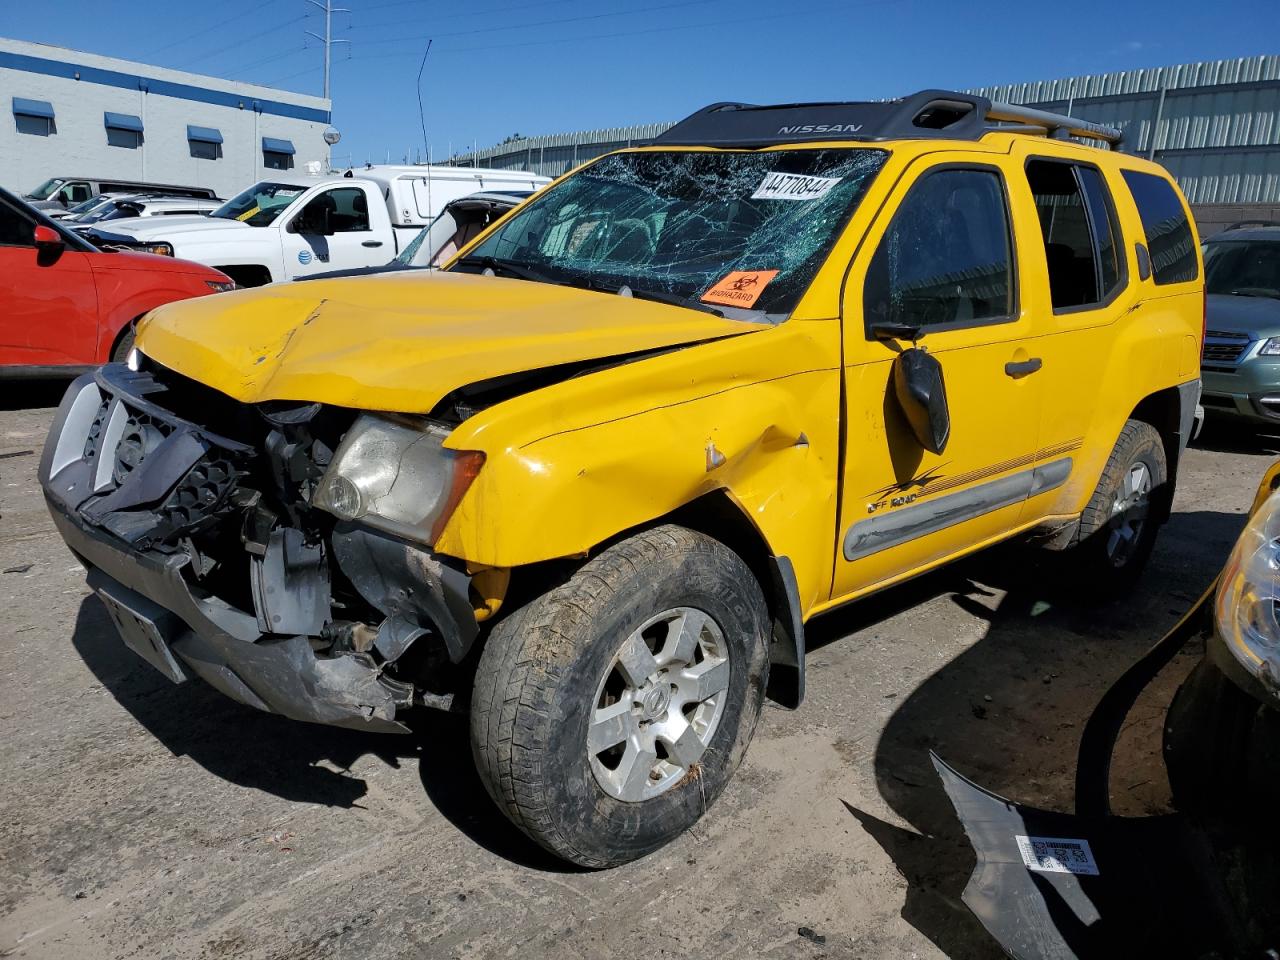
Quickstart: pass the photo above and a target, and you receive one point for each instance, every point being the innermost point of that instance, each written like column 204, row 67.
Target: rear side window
column 1164, row 220
column 945, row 260
column 1079, row 231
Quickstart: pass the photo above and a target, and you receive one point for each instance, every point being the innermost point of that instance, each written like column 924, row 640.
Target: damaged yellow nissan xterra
column 590, row 481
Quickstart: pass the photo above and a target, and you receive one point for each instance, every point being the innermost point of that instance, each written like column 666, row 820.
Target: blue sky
column 498, row 67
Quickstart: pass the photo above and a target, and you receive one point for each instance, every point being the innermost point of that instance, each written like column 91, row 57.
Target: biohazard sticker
column 793, row 186
column 741, row 288
column 1057, row 855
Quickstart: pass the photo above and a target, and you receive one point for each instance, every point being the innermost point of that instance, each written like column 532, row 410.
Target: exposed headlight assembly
column 396, row 475
column 1249, row 593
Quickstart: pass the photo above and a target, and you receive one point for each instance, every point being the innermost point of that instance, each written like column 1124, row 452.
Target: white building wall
column 79, row 146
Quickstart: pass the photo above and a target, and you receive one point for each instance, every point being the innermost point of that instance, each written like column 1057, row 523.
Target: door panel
column 51, row 303
column 945, row 243
column 353, row 242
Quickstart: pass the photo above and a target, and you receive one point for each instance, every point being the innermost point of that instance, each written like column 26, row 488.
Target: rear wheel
column 1118, row 527
column 610, row 712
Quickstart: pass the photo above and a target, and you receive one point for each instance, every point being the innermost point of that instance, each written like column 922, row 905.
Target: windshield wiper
column 507, row 266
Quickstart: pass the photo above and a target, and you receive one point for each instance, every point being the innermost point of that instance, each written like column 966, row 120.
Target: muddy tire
column 1118, row 527
column 609, row 712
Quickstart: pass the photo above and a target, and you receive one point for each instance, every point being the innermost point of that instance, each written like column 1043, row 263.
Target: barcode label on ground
column 1057, row 855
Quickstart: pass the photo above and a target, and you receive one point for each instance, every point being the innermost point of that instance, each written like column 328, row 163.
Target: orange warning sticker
column 741, row 288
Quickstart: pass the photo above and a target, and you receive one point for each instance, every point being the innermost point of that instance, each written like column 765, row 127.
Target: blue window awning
column 122, row 121
column 32, row 108
column 204, row 134
column 272, row 145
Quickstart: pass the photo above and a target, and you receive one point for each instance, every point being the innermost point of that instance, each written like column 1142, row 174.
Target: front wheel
column 1119, row 525
column 610, row 712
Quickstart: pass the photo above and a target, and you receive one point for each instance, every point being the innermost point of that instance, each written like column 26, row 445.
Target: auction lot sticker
column 793, row 186
column 741, row 288
column 1057, row 855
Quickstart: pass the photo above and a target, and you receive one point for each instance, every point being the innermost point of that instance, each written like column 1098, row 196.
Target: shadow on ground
column 1009, row 711
column 194, row 720
column 32, row 394
column 1226, row 435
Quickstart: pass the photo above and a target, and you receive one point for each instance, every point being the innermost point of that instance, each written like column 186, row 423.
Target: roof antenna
column 422, row 118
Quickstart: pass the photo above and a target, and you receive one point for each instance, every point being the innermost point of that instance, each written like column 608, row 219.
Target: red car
column 65, row 305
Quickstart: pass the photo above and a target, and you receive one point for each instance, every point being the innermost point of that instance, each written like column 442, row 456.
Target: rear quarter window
column 1170, row 239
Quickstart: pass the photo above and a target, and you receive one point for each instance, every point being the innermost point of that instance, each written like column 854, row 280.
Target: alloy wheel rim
column 1129, row 514
column 658, row 705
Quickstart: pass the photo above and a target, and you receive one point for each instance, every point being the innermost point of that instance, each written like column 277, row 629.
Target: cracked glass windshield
column 260, row 204
column 733, row 232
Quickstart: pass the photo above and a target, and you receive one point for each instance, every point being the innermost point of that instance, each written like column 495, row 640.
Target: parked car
column 460, row 222
column 592, row 478
column 292, row 226
column 57, row 213
column 1241, row 362
column 66, row 306
column 132, row 207
column 63, row 192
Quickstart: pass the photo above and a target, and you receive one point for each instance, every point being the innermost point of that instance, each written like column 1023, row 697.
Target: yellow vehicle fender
column 569, row 466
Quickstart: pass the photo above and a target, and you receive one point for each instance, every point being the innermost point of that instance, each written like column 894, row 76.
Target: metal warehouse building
column 1214, row 125
column 79, row 114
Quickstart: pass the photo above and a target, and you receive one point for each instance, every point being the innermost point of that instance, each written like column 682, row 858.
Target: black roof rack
column 941, row 114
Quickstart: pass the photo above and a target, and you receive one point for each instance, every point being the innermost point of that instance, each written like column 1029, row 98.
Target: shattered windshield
column 260, row 204
column 745, row 230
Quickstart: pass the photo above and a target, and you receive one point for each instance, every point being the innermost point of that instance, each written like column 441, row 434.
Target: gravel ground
column 142, row 819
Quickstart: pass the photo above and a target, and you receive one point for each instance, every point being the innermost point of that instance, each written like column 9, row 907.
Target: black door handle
column 1018, row 369
column 371, row 243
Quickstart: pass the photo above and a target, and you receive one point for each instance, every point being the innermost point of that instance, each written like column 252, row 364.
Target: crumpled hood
column 403, row 341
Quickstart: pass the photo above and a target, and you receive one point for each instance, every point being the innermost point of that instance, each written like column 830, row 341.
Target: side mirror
column 922, row 396
column 47, row 238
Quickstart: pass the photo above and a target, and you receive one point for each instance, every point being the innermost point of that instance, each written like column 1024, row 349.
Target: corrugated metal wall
column 1216, row 125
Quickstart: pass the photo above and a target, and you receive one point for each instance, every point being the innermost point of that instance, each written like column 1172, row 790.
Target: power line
column 455, row 16
column 220, row 24
column 256, row 38
column 546, row 23
column 790, row 12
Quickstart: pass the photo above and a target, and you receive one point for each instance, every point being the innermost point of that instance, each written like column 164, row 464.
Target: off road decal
column 793, row 186
column 741, row 288
column 931, row 481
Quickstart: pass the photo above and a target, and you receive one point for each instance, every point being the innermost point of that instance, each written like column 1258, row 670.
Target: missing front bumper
column 267, row 652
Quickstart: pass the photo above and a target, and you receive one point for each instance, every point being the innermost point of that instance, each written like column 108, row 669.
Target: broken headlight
column 1249, row 592
column 398, row 476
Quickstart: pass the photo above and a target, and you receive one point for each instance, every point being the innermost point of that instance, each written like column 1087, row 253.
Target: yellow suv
column 589, row 481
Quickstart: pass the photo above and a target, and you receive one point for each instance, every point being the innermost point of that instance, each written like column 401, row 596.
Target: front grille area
column 1224, row 348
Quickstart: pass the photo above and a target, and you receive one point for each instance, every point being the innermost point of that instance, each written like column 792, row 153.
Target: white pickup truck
column 291, row 225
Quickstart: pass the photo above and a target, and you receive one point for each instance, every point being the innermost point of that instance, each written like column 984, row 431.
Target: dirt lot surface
column 141, row 819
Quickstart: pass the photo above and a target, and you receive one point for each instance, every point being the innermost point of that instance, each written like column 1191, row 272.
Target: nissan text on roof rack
column 293, row 225
column 589, row 481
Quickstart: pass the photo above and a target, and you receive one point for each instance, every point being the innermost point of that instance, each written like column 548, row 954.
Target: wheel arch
column 1171, row 412
column 719, row 516
column 247, row 274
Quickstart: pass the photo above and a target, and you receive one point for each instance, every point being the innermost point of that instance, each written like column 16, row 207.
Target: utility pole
column 328, row 41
